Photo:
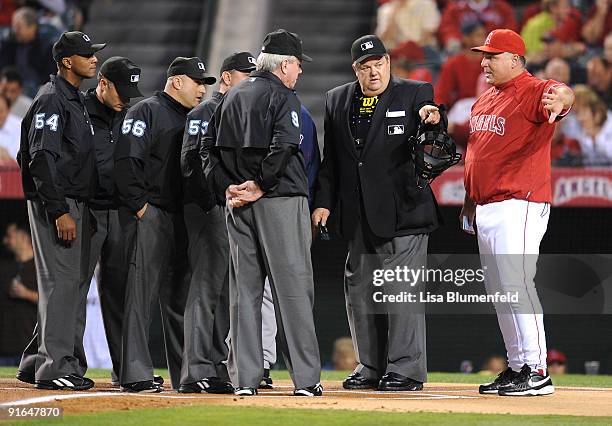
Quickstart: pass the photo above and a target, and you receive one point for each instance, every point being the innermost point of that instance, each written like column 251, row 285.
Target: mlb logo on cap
column 86, row 37
column 367, row 45
column 201, row 66
column 134, row 78
column 252, row 60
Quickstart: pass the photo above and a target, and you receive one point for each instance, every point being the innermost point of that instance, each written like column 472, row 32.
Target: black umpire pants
column 158, row 272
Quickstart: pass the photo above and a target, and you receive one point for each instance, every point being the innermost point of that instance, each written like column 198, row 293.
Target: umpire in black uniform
column 148, row 180
column 57, row 160
column 107, row 105
column 207, row 310
column 252, row 158
column 368, row 179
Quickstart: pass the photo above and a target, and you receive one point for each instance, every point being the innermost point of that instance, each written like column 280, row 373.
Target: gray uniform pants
column 107, row 248
column 271, row 237
column 56, row 348
column 384, row 343
column 268, row 327
column 158, row 271
column 207, row 309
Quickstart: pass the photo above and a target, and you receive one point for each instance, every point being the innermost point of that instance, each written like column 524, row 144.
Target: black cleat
column 529, row 383
column 266, row 381
column 357, row 381
column 316, row 390
column 397, row 382
column 208, row 385
column 24, row 376
column 69, row 382
column 156, row 379
column 502, row 380
column 146, row 386
column 245, row 391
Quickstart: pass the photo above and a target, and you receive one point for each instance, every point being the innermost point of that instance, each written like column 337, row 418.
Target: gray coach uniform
column 254, row 135
column 57, row 163
column 147, row 170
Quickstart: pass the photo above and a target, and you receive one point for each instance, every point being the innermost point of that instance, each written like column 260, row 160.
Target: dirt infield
column 436, row 397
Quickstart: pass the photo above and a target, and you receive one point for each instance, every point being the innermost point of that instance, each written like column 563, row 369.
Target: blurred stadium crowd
column 567, row 40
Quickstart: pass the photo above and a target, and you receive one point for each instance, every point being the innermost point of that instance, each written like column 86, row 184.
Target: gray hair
column 270, row 61
column 26, row 14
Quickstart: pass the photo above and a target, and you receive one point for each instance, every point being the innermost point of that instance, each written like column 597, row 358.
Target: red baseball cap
column 555, row 355
column 500, row 41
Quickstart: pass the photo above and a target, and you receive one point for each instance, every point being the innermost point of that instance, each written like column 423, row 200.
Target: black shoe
column 156, row 379
column 266, row 381
column 529, row 383
column 208, row 385
column 357, row 381
column 245, row 391
column 146, row 386
column 316, row 390
column 397, row 382
column 503, row 380
column 69, row 382
column 24, row 376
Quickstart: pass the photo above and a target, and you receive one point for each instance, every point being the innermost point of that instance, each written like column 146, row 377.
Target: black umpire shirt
column 255, row 135
column 196, row 189
column 107, row 128
column 56, row 153
column 147, row 157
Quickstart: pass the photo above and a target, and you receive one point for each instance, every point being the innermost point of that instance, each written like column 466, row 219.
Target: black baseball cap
column 367, row 46
column 124, row 74
column 191, row 67
column 283, row 42
column 74, row 43
column 240, row 61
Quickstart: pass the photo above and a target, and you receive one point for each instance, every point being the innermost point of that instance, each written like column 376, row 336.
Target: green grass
column 599, row 381
column 253, row 416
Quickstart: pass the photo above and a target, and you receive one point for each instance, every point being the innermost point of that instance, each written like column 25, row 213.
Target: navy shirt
column 56, row 153
column 309, row 145
column 147, row 156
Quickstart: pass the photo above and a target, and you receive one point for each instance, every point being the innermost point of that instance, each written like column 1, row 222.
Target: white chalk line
column 63, row 397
